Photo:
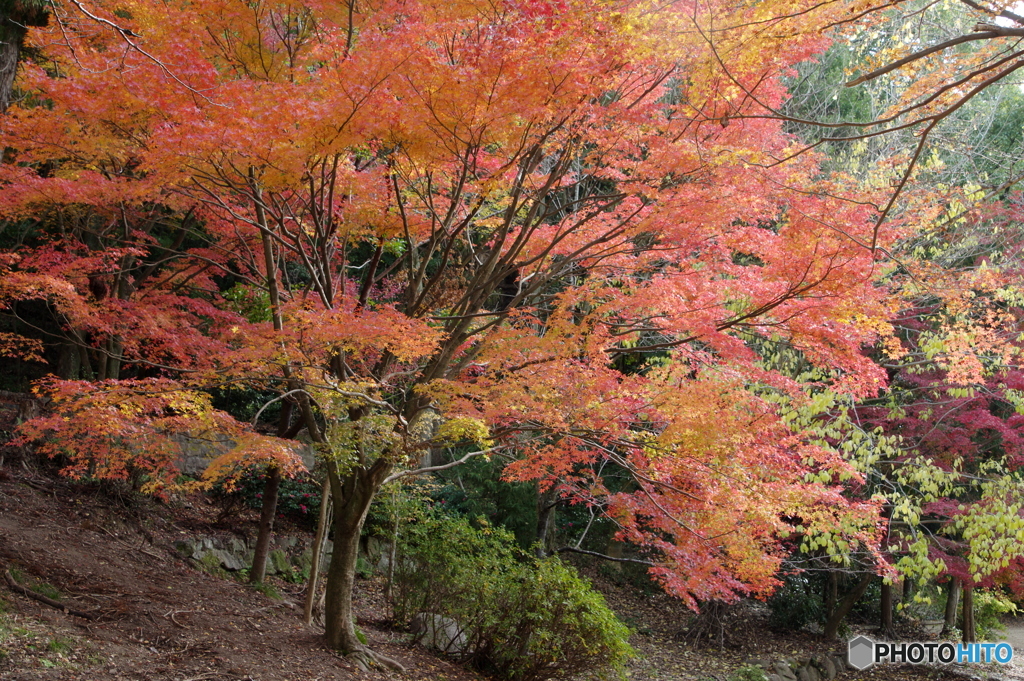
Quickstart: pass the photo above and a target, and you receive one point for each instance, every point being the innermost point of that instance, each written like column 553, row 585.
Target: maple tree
column 909, row 121
column 955, row 404
column 435, row 225
column 953, row 472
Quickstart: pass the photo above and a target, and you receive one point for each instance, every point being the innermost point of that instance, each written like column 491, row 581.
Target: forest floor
column 157, row 617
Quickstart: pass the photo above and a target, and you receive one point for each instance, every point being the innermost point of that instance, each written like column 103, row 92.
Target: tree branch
column 987, row 32
column 18, row 588
column 432, row 469
column 573, row 549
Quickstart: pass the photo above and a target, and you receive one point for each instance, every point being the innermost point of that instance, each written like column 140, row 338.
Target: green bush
column 524, row 619
column 794, row 605
column 989, row 607
column 298, row 498
column 477, row 489
column 748, row 672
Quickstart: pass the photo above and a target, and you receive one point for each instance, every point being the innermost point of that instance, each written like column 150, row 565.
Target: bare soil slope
column 157, row 617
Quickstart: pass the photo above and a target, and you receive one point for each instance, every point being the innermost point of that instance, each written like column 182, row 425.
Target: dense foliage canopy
column 572, row 232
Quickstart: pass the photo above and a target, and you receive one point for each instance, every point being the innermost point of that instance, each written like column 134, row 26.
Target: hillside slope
column 157, row 617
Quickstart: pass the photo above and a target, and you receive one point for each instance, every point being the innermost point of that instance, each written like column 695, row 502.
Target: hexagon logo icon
column 861, row 652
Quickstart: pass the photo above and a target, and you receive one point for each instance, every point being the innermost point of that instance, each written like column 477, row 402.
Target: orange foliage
column 472, row 208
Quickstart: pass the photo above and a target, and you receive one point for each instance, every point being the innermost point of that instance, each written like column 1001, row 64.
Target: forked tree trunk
column 844, row 607
column 352, row 495
column 952, row 601
column 967, row 618
column 259, row 559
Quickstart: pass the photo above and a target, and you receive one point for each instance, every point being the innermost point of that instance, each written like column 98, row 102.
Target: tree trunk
column 11, row 37
column 952, row 601
column 116, row 348
column 69, row 359
column 831, row 593
column 14, row 18
column 317, row 551
column 547, row 502
column 967, row 617
column 888, row 630
column 352, row 495
column 101, row 364
column 844, row 608
column 259, row 559
column 389, row 591
column 85, row 370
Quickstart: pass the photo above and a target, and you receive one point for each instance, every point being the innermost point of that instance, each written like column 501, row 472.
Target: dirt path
column 1014, row 635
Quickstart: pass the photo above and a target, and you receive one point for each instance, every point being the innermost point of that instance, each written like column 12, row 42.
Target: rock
column 802, row 674
column 378, row 553
column 305, row 560
column 228, row 560
column 774, row 677
column 759, row 662
column 785, row 671
column 279, row 559
column 439, row 632
column 828, row 667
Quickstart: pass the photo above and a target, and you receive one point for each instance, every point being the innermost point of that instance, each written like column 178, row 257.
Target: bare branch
column 433, row 469
column 603, row 556
column 276, row 399
column 127, row 35
column 987, row 33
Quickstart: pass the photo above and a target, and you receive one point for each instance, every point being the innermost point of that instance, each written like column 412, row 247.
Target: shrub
column 989, row 607
column 477, row 488
column 523, row 619
column 794, row 605
column 748, row 672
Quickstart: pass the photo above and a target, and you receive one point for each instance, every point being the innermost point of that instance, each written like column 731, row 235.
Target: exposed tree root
column 43, row 599
column 364, row 658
